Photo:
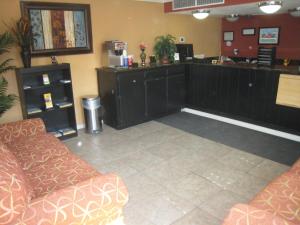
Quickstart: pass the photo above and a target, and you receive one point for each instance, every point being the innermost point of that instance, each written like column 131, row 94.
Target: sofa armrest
column 242, row 214
column 17, row 130
column 100, row 199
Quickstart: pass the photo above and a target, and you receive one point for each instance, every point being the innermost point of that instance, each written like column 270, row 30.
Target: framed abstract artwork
column 59, row 28
column 269, row 36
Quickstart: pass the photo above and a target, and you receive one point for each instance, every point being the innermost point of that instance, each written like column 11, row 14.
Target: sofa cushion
column 58, row 173
column 14, row 193
column 36, row 150
column 281, row 197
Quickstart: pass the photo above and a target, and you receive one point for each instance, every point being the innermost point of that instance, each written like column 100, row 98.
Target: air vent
column 181, row 4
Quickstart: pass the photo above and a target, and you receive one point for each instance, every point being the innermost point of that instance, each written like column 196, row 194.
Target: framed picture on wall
column 248, row 31
column 228, row 35
column 59, row 28
column 269, row 35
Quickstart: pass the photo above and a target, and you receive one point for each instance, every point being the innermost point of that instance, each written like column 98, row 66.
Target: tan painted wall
column 127, row 20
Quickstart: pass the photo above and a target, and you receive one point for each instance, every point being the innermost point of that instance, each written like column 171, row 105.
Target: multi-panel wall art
column 59, row 28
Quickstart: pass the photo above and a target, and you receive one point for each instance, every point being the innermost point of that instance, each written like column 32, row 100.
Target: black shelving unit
column 32, row 89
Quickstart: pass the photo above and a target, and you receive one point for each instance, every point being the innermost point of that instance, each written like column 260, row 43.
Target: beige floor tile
column 152, row 126
column 166, row 150
column 106, row 139
column 164, row 208
column 118, row 167
column 240, row 160
column 192, row 160
column 79, row 145
column 99, row 156
column 220, row 203
column 131, row 216
column 193, row 188
column 205, row 147
column 157, row 137
column 222, row 175
column 134, row 218
column 248, row 186
column 140, row 160
column 169, row 172
column 268, row 170
column 125, row 148
column 140, row 186
column 165, row 172
column 198, row 217
column 133, row 132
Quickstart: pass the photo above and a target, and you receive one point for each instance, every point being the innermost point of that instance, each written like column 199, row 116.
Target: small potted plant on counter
column 165, row 48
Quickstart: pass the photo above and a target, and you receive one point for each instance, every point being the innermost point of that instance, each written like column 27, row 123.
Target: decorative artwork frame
column 269, row 36
column 59, row 28
column 248, row 31
column 228, row 36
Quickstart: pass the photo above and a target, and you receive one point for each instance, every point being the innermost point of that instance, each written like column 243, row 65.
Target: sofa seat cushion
column 58, row 173
column 37, row 150
column 14, row 190
column 281, row 197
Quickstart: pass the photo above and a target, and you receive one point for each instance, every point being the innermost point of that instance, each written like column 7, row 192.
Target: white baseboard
column 244, row 124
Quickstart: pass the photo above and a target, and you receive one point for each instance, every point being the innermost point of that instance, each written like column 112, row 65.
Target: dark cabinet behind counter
column 241, row 93
column 133, row 96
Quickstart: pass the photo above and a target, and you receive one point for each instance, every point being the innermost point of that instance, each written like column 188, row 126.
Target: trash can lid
column 90, row 97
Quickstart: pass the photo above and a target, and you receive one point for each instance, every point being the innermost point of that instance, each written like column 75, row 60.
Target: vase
column 143, row 57
column 26, row 57
column 165, row 60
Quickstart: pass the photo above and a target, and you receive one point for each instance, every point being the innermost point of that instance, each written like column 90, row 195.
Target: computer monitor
column 186, row 52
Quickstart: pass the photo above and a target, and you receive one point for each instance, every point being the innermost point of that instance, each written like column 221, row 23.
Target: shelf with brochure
column 46, row 92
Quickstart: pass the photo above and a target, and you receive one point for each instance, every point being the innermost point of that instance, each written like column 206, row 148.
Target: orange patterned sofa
column 42, row 182
column 277, row 204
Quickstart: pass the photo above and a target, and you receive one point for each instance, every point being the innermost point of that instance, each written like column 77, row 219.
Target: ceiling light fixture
column 270, row 7
column 295, row 12
column 232, row 18
column 201, row 14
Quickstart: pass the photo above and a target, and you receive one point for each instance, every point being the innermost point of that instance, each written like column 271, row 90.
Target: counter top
column 147, row 66
column 283, row 69
column 294, row 70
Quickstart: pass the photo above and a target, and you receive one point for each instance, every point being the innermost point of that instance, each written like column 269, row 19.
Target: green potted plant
column 23, row 36
column 6, row 100
column 165, row 48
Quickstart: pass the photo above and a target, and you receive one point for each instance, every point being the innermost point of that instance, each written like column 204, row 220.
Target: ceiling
column 241, row 9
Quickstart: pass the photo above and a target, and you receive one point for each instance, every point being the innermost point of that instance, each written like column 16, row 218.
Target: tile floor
column 175, row 177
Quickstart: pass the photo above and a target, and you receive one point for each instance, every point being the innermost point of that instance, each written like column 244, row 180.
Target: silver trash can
column 92, row 114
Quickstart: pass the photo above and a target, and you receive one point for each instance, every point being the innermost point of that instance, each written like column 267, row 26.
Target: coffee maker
column 115, row 52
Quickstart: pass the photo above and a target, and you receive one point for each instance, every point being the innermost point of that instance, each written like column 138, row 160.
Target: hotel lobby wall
column 130, row 21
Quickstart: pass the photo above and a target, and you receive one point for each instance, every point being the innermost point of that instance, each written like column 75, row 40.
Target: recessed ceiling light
column 232, row 17
column 295, row 12
column 201, row 14
column 270, row 7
